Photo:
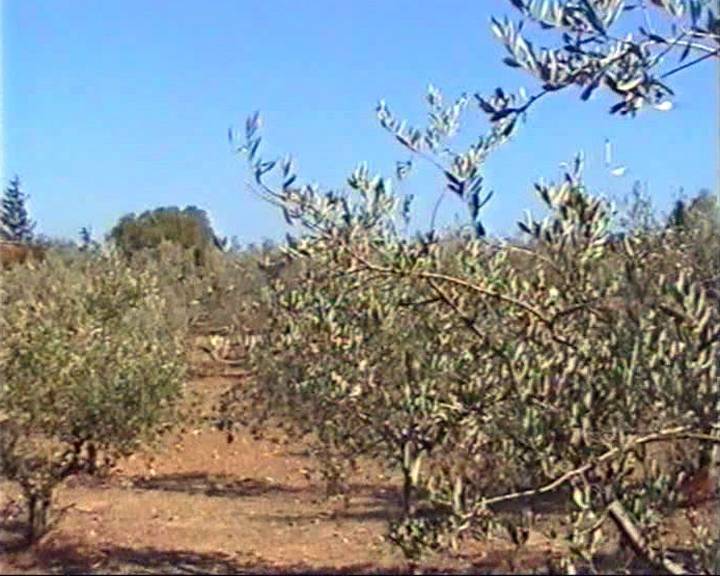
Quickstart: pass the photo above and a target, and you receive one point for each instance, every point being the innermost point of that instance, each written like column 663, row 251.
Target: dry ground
column 201, row 505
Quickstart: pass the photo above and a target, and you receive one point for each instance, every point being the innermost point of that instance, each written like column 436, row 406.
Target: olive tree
column 552, row 363
column 90, row 367
column 573, row 361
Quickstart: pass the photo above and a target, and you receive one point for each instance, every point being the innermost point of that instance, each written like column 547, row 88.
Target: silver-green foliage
column 489, row 372
column 623, row 45
column 90, row 367
column 576, row 360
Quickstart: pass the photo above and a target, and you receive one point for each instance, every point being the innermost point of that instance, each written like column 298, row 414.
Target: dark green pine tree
column 15, row 223
column 87, row 243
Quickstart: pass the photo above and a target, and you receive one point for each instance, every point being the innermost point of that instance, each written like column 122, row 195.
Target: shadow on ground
column 68, row 559
column 183, row 562
column 12, row 536
column 14, row 525
column 212, row 485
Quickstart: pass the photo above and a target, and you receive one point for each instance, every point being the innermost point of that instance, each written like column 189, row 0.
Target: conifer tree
column 15, row 222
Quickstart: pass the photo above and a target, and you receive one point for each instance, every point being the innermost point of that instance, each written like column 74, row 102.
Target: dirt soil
column 201, row 505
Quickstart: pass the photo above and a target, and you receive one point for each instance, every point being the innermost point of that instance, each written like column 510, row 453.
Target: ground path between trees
column 201, row 505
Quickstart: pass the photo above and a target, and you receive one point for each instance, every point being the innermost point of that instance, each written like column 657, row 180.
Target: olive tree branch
column 697, row 60
column 668, row 435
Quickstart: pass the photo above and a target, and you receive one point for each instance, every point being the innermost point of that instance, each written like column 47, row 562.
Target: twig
column 450, row 302
column 532, row 310
column 626, row 525
column 537, row 255
column 410, row 304
column 691, row 63
column 670, row 45
column 472, row 326
column 435, row 209
column 678, row 433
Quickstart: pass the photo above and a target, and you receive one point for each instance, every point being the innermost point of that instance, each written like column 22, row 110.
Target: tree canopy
column 189, row 227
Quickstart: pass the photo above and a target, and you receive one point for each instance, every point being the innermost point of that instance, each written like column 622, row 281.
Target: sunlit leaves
column 91, row 365
column 434, row 355
column 591, row 56
column 543, row 360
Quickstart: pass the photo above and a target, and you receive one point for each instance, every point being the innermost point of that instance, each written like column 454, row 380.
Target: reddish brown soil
column 201, row 505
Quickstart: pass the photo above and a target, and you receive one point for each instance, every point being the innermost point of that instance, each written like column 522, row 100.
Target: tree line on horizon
column 190, row 226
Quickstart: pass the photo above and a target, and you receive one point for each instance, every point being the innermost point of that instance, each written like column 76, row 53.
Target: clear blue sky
column 116, row 106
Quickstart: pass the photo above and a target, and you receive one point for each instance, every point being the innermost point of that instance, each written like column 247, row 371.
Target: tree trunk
column 38, row 507
column 407, row 493
column 92, row 458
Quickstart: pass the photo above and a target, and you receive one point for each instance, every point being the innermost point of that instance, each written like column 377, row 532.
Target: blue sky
column 123, row 105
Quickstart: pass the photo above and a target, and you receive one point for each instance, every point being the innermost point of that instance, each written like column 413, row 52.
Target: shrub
column 12, row 253
column 189, row 228
column 90, row 367
column 488, row 372
column 221, row 295
column 501, row 372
